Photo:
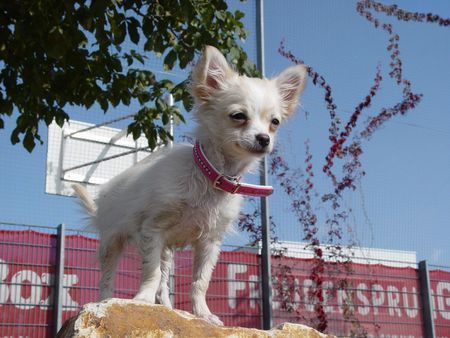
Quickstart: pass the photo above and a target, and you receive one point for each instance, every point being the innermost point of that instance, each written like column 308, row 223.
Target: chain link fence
column 377, row 298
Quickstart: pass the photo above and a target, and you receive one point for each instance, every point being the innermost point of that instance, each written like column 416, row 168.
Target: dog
column 190, row 195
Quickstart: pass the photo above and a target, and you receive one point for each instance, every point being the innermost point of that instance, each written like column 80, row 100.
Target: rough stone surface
column 128, row 318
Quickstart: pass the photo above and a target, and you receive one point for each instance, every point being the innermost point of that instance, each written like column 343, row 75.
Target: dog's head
column 242, row 114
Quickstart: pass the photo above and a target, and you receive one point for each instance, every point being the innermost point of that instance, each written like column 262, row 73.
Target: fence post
column 172, row 280
column 427, row 303
column 266, row 277
column 59, row 277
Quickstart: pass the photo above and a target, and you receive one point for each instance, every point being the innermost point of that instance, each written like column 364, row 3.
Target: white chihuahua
column 191, row 195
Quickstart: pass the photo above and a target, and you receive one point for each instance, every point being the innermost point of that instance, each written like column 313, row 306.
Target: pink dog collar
column 223, row 182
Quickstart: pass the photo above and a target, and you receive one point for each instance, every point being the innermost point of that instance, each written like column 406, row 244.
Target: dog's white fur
column 165, row 201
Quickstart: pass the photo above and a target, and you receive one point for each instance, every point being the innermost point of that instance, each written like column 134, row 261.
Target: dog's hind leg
column 109, row 254
column 150, row 248
column 162, row 296
column 206, row 255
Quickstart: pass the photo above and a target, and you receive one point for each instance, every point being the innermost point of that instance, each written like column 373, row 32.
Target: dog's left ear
column 290, row 84
column 210, row 73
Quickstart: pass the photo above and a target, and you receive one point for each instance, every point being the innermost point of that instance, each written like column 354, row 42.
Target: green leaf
column 150, row 133
column 15, row 136
column 28, row 141
column 147, row 26
column 134, row 129
column 167, row 84
column 239, row 15
column 186, row 58
column 187, row 102
column 115, row 64
column 220, row 15
column 48, row 119
column 159, row 44
column 160, row 104
column 120, row 34
column 133, row 25
column 136, row 133
column 129, row 59
column 149, row 45
column 234, row 54
column 221, row 5
column 6, row 107
column 138, row 57
column 165, row 118
column 103, row 104
column 170, row 59
column 61, row 118
column 178, row 115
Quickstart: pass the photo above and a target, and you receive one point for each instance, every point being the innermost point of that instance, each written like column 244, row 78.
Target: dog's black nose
column 263, row 139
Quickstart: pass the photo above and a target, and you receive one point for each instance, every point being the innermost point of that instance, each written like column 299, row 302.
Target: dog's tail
column 85, row 199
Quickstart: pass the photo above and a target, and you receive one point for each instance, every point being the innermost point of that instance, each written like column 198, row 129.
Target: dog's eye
column 275, row 122
column 239, row 116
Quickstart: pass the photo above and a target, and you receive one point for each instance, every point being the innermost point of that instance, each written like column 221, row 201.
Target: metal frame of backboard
column 90, row 154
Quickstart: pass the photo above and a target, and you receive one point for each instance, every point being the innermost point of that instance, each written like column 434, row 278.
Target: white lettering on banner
column 68, row 281
column 433, row 304
column 377, row 297
column 235, row 286
column 363, row 310
column 365, row 299
column 47, row 280
column 253, row 291
column 18, row 281
column 32, row 281
column 285, row 290
column 275, row 295
column 443, row 301
column 393, row 300
column 344, row 301
column 296, row 294
column 294, row 302
column 67, row 300
column 4, row 290
column 309, row 301
column 327, row 288
column 411, row 311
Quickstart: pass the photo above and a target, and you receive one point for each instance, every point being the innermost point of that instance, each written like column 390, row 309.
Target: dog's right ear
column 291, row 83
column 210, row 73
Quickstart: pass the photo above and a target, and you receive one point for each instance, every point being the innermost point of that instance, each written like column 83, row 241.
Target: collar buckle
column 216, row 182
column 236, row 189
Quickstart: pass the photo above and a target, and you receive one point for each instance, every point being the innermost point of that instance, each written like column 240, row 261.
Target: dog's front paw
column 162, row 297
column 210, row 318
column 145, row 298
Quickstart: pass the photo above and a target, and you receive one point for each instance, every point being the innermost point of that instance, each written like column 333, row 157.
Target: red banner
column 384, row 300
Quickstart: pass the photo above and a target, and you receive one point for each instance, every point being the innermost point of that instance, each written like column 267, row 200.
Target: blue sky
column 406, row 192
column 404, row 200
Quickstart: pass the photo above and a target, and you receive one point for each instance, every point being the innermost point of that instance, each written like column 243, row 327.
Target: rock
column 129, row 318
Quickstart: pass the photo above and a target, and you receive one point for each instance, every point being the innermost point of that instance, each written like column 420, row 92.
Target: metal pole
column 266, row 277
column 170, row 102
column 59, row 277
column 427, row 303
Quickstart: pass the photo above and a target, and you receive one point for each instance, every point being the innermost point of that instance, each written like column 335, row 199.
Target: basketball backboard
column 88, row 154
